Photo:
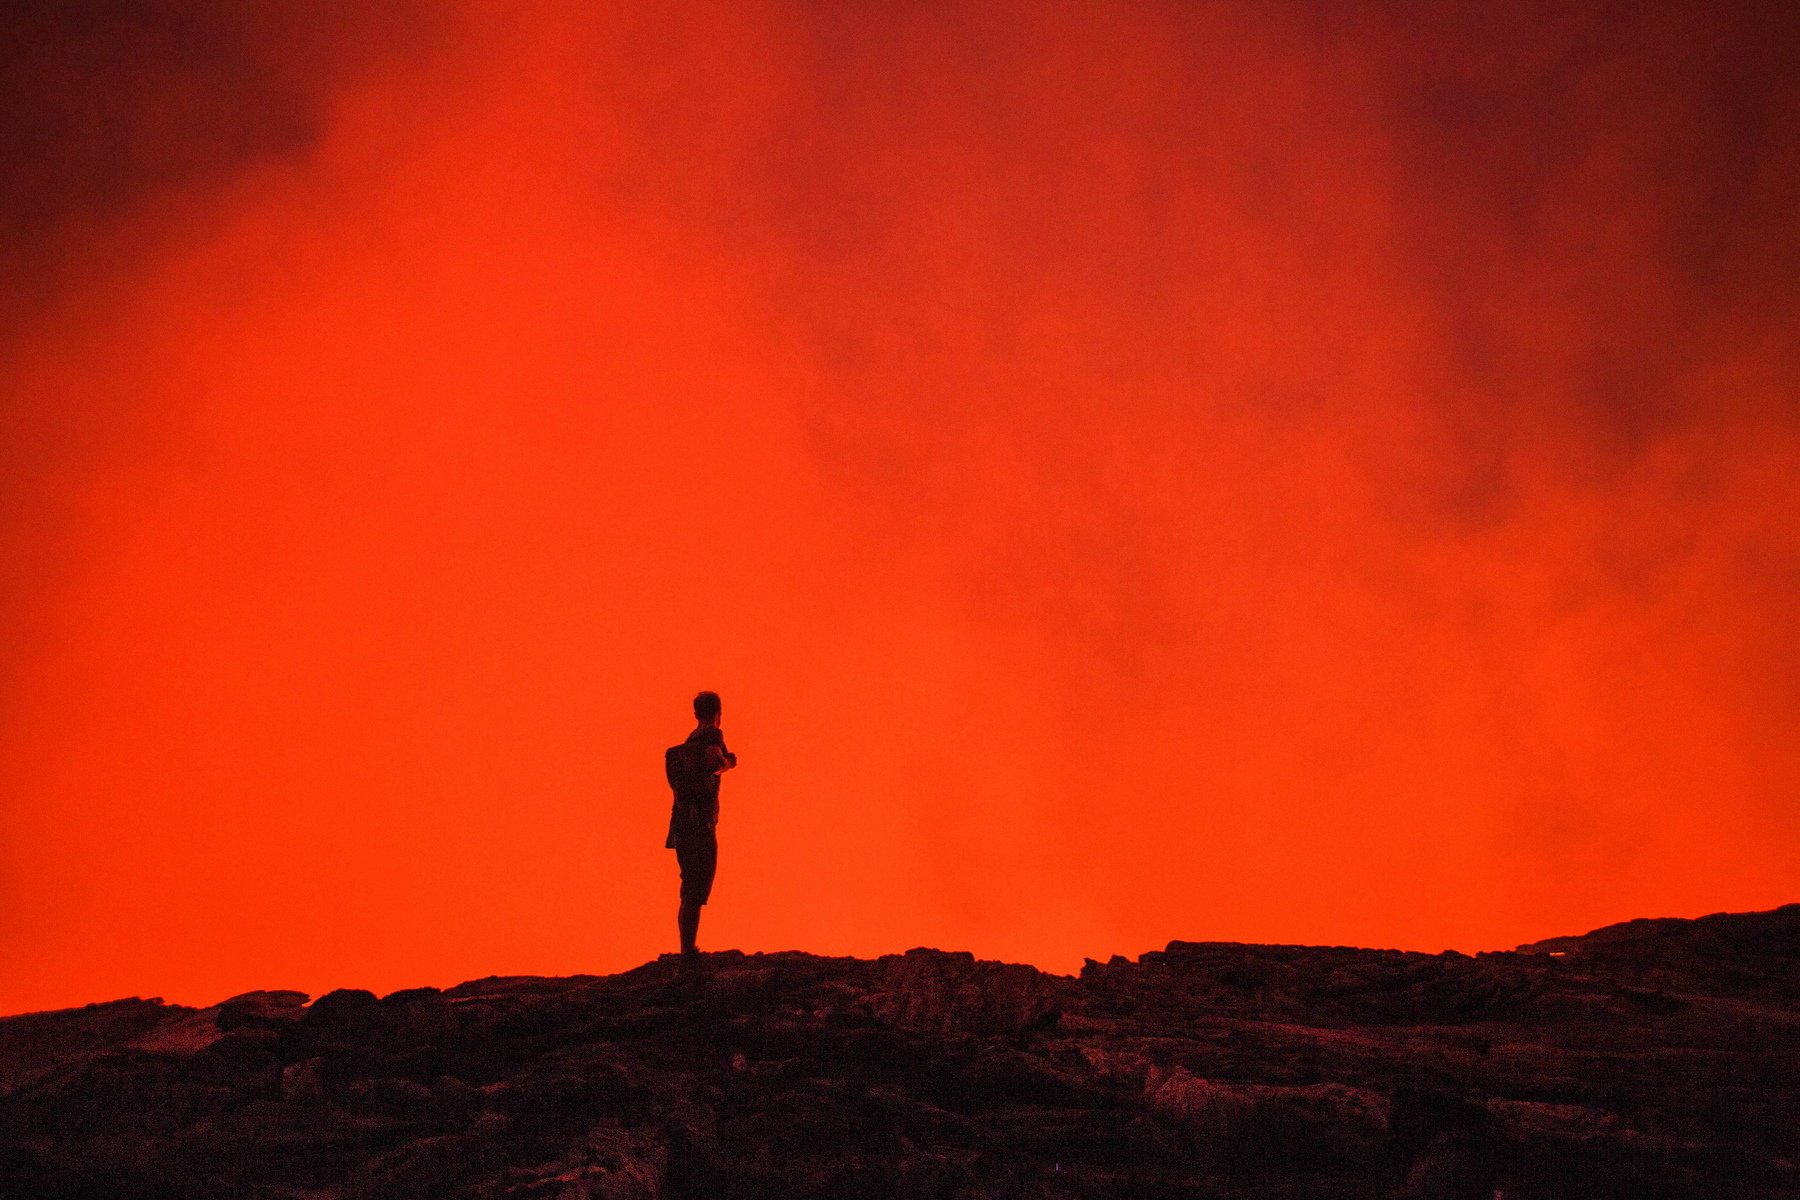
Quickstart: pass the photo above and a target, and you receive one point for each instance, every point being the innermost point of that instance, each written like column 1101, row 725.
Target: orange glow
column 1217, row 473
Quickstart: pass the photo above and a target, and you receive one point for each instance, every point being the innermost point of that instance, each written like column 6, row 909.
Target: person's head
column 706, row 707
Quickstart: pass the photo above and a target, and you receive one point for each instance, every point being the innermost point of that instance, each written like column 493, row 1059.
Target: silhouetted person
column 693, row 769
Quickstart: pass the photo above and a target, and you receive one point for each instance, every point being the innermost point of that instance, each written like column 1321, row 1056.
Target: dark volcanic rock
column 1654, row 1059
column 261, row 1010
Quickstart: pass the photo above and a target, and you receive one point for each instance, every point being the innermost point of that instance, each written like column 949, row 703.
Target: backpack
column 685, row 767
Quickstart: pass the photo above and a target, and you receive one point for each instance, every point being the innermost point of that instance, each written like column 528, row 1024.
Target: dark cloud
column 106, row 104
column 122, row 124
column 1600, row 198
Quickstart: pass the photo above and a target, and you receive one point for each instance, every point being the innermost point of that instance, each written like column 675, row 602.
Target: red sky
column 1271, row 472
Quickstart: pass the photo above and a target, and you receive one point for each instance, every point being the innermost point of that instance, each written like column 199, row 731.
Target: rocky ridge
column 1655, row 1059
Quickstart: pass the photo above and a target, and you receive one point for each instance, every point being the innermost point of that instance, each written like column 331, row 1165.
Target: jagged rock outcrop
column 1650, row 1066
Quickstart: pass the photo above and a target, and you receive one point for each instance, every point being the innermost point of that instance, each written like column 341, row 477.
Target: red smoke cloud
column 1251, row 472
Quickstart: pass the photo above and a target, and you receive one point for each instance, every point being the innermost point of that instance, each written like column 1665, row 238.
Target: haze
column 1281, row 472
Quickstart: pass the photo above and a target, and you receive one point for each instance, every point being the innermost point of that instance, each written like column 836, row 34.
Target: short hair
column 706, row 704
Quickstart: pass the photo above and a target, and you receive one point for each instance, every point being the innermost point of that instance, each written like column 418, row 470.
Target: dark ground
column 1653, row 1059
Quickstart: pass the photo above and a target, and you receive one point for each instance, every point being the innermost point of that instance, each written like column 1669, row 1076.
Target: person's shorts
column 697, row 850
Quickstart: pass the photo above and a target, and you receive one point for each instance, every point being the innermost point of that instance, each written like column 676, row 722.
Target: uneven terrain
column 1651, row 1059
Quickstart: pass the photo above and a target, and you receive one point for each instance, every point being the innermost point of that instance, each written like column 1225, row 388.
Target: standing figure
column 693, row 769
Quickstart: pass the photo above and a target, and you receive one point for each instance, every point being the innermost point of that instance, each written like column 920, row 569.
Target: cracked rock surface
column 1652, row 1059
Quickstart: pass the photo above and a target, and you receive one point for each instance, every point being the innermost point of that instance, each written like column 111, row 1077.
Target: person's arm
column 719, row 759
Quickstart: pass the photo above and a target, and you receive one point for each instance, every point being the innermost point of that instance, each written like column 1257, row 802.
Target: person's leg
column 688, row 921
column 690, row 853
column 697, row 850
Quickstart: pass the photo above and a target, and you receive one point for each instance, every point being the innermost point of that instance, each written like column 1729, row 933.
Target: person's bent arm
column 719, row 759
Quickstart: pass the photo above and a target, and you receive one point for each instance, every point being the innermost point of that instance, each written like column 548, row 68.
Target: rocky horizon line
column 1635, row 929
